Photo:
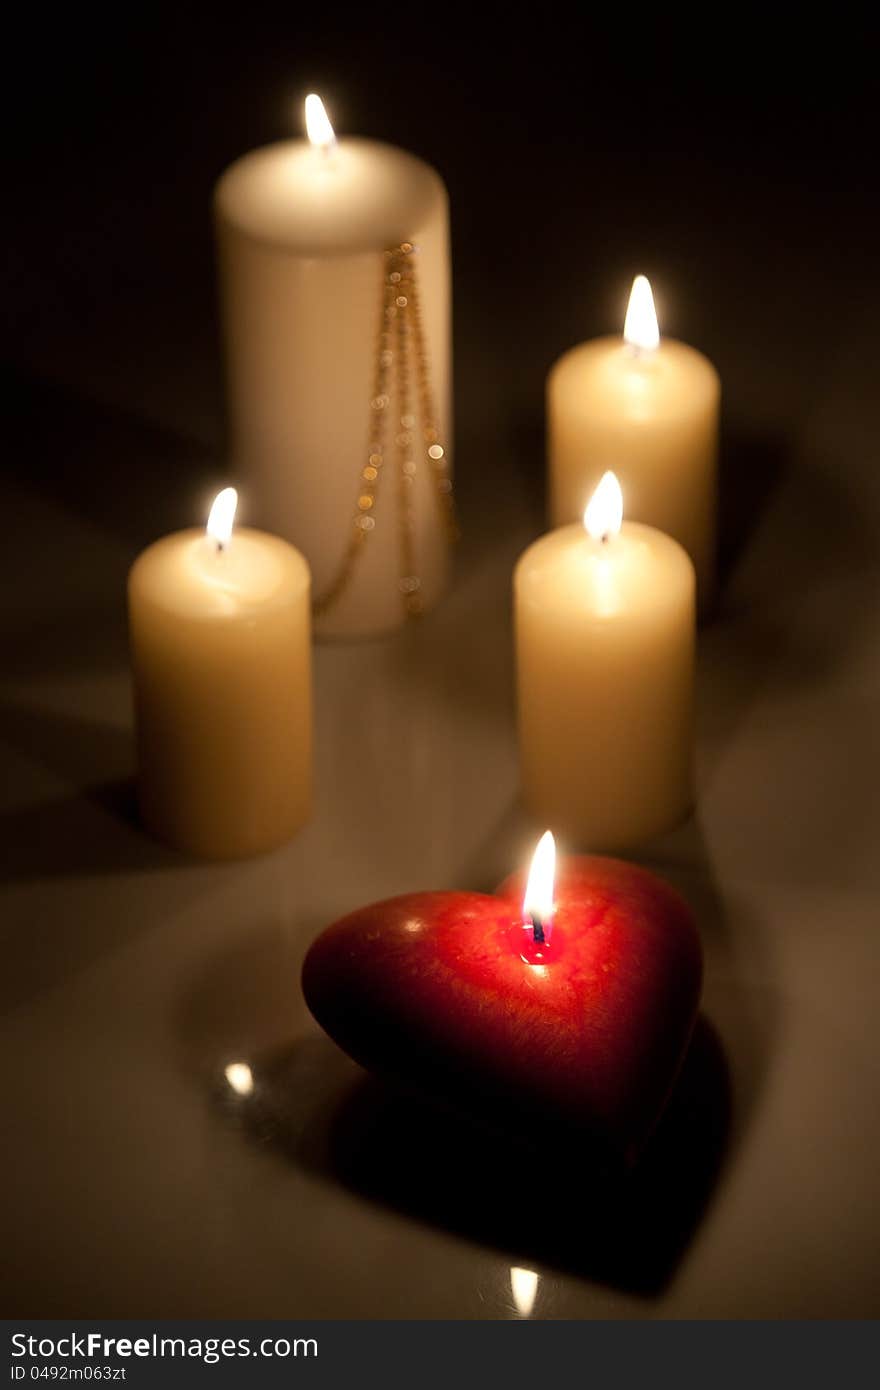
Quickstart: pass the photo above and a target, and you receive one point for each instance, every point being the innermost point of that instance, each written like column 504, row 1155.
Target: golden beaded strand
column 400, row 344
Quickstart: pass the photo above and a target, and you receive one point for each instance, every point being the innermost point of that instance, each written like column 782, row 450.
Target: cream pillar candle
column 317, row 417
column 221, row 659
column 605, row 653
column 649, row 410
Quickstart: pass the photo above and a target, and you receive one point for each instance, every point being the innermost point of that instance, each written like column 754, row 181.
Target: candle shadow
column 79, row 838
column 122, row 471
column 793, row 617
column 740, row 997
column 750, row 468
column 97, row 828
column 816, row 538
column 542, row 1199
column 96, row 483
column 740, row 993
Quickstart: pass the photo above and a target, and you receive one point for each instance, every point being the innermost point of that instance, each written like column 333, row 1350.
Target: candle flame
column 524, row 1287
column 318, row 128
column 538, row 900
column 640, row 330
column 240, row 1078
column 603, row 514
column 221, row 516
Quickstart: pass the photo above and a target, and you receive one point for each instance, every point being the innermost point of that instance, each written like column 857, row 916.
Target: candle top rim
column 568, row 553
column 364, row 196
column 163, row 576
column 609, row 349
column 674, row 378
column 629, row 528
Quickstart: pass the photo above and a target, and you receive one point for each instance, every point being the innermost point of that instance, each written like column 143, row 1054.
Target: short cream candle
column 317, row 424
column 605, row 636
column 648, row 409
column 221, row 660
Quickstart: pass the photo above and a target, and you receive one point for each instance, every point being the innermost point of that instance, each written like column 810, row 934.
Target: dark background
column 731, row 157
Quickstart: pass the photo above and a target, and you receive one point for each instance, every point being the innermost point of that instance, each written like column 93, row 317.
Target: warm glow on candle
column 221, row 517
column 318, row 128
column 603, row 514
column 240, row 1078
column 640, row 330
column 538, row 900
column 524, row 1287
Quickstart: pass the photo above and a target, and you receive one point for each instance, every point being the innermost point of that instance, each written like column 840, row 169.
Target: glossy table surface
column 137, row 1181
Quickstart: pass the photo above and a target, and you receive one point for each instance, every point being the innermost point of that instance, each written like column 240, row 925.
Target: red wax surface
column 449, row 992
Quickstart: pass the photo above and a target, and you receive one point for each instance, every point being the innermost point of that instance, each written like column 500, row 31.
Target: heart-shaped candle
column 572, row 1006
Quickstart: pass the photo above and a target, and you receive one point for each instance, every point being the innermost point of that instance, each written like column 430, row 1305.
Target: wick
column 220, row 547
column 538, row 931
column 605, row 537
column 637, row 352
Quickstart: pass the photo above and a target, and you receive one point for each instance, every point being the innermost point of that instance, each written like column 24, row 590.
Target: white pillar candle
column 648, row 409
column 605, row 631
column 353, row 471
column 221, row 660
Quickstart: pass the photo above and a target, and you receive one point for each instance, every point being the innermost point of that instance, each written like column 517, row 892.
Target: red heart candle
column 574, row 1007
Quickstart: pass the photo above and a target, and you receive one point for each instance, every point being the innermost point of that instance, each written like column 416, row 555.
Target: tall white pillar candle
column 221, row 659
column 337, row 459
column 648, row 409
column 605, row 630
